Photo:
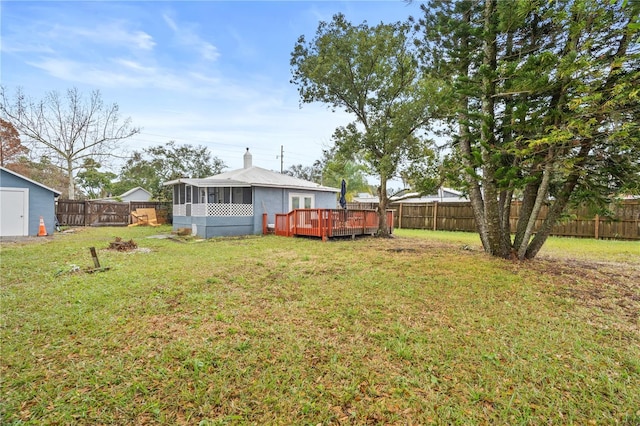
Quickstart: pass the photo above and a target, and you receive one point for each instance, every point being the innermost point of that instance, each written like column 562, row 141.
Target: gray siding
column 269, row 201
column 213, row 226
column 265, row 200
column 276, row 200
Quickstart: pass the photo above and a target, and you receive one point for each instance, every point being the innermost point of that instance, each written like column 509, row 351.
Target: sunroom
column 194, row 199
column 212, row 208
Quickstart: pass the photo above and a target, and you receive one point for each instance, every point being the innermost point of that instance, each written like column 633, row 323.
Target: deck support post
column 264, row 224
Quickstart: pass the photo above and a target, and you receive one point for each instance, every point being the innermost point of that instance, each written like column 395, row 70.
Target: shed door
column 14, row 211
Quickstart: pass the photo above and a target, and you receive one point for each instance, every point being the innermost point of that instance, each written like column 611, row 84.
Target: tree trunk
column 559, row 204
column 72, row 185
column 491, row 206
column 541, row 196
column 506, row 195
column 383, row 229
column 470, row 166
column 505, row 225
column 528, row 200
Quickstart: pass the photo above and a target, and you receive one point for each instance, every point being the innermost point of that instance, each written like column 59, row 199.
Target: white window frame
column 302, row 196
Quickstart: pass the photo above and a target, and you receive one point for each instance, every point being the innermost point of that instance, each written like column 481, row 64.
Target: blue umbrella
column 343, row 193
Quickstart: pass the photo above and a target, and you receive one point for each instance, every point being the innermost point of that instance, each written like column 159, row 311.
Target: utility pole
column 281, row 158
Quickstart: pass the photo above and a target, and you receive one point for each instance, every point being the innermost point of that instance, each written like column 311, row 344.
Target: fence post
column 597, row 226
column 87, row 206
column 400, row 217
column 435, row 215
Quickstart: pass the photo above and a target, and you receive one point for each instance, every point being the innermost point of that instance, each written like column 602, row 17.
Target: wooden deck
column 328, row 223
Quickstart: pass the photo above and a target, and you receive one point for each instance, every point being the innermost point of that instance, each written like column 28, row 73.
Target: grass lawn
column 418, row 329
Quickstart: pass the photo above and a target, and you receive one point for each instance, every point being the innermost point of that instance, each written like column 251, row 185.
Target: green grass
column 555, row 247
column 422, row 328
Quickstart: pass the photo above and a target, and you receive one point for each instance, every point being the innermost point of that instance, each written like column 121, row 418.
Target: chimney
column 247, row 159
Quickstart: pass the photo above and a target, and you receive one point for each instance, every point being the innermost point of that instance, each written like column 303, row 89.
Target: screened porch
column 212, row 201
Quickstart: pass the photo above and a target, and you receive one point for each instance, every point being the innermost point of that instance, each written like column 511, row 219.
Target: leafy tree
column 543, row 106
column 309, row 173
column 158, row 164
column 68, row 129
column 94, row 182
column 371, row 72
column 10, row 146
column 42, row 171
column 352, row 172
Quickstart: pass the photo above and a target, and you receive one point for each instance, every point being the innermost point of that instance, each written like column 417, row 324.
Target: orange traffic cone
column 42, row 232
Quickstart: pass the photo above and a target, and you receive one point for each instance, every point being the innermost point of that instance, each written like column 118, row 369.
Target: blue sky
column 211, row 73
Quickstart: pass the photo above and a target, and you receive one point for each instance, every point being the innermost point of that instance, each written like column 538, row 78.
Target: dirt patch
column 25, row 240
column 120, row 245
column 610, row 287
column 601, row 286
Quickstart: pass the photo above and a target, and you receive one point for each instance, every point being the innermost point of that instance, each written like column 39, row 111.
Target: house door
column 301, row 201
column 14, row 212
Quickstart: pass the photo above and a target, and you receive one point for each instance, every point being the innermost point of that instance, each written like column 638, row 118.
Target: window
column 187, row 194
column 241, row 196
column 202, row 198
column 224, row 195
column 178, row 193
column 301, row 201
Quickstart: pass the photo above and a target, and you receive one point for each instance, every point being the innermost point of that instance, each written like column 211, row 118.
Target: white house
column 136, row 194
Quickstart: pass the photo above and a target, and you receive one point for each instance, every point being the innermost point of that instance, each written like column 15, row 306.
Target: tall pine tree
column 544, row 107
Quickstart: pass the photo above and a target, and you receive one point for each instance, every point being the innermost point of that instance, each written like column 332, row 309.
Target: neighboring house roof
column 254, row 176
column 136, row 189
column 444, row 194
column 31, row 181
column 127, row 195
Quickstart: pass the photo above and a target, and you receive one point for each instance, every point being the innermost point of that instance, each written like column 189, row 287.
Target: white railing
column 214, row 209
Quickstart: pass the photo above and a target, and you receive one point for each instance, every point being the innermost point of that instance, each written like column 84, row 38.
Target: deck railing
column 327, row 223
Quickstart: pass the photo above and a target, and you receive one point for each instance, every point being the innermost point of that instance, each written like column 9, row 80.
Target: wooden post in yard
column 94, row 255
column 597, row 226
column 435, row 215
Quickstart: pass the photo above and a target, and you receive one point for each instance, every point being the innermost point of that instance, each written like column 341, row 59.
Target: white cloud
column 135, row 66
column 186, row 36
column 116, row 74
column 24, row 46
column 111, row 34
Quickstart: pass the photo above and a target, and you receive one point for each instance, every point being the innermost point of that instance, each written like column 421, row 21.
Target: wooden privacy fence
column 105, row 213
column 624, row 224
